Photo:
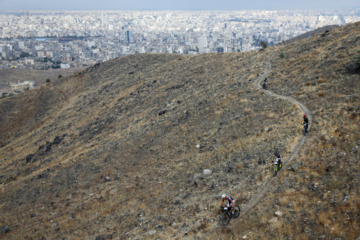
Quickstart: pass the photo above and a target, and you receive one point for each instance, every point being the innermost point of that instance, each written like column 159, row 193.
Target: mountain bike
column 305, row 129
column 277, row 168
column 227, row 215
column 264, row 86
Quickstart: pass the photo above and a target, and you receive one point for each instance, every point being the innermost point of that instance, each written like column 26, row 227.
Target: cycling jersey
column 278, row 159
column 230, row 202
column 306, row 121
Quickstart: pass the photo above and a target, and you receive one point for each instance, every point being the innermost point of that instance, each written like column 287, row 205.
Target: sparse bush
column 282, row 55
column 321, row 94
column 357, row 60
column 354, row 65
column 48, row 80
column 263, row 44
column 322, row 80
column 308, row 83
column 60, row 76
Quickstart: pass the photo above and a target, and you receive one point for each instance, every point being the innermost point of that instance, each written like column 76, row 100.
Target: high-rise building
column 21, row 45
column 202, row 43
column 104, row 18
column 128, row 37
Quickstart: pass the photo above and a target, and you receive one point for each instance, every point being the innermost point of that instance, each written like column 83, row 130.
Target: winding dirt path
column 296, row 149
column 266, row 187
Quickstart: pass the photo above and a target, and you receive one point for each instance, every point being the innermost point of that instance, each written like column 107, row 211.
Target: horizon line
column 189, row 10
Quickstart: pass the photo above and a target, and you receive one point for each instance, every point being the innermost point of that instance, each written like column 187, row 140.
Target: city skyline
column 144, row 5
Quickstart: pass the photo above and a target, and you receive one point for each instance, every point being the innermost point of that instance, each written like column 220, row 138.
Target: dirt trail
column 296, row 149
column 266, row 187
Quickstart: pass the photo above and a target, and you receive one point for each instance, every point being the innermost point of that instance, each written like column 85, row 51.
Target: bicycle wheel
column 236, row 211
column 275, row 170
column 225, row 218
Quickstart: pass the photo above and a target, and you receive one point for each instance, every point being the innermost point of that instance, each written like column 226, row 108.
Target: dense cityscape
column 74, row 39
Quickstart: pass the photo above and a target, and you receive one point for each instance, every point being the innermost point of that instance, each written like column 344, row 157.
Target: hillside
column 315, row 32
column 118, row 150
column 8, row 76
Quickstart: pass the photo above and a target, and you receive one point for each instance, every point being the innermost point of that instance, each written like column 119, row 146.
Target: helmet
column 277, row 152
column 223, row 196
column 304, row 115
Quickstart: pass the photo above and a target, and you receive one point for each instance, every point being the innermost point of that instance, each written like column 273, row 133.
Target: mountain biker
column 265, row 83
column 278, row 159
column 306, row 122
column 230, row 203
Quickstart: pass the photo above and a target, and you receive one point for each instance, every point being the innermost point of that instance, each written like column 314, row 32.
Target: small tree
column 48, row 80
column 263, row 44
column 282, row 55
column 60, row 76
column 357, row 60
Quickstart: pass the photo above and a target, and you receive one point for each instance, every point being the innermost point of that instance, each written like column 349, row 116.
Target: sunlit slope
column 119, row 149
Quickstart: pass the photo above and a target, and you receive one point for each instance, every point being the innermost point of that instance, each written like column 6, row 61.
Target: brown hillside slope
column 320, row 199
column 112, row 151
column 137, row 120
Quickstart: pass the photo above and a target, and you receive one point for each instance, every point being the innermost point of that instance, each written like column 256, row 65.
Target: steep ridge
column 118, row 150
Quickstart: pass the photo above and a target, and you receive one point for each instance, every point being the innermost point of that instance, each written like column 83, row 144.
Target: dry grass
column 160, row 168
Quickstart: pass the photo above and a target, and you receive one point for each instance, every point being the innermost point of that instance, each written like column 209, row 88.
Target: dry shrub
column 264, row 219
column 323, row 218
column 314, row 175
column 288, row 229
column 321, row 94
column 313, row 96
column 239, row 166
column 321, row 169
column 353, row 115
column 337, row 229
column 302, row 236
column 299, row 202
column 322, row 80
column 339, row 96
column 309, row 83
column 284, row 200
column 247, row 110
column 277, row 225
column 203, row 226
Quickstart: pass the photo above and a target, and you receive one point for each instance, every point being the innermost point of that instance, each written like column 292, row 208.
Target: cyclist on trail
column 265, row 83
column 230, row 203
column 306, row 122
column 277, row 159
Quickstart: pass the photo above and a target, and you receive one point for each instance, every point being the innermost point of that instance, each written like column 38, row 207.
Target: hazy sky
column 174, row 5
